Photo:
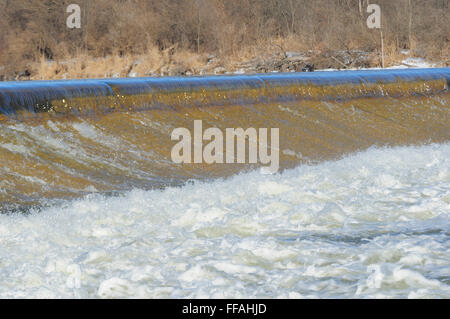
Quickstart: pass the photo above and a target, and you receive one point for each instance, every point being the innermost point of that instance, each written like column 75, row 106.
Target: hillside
column 179, row 37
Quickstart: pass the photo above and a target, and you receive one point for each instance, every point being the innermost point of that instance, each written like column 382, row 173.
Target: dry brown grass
column 152, row 63
column 392, row 55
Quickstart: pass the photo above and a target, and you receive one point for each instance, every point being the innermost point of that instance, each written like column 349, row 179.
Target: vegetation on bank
column 176, row 37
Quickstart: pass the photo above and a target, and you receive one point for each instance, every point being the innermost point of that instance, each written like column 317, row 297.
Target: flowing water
column 93, row 206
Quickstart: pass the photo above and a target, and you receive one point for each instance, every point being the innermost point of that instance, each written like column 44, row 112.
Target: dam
column 359, row 207
column 61, row 138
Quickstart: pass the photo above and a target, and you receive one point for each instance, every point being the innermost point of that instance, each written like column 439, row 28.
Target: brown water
column 64, row 156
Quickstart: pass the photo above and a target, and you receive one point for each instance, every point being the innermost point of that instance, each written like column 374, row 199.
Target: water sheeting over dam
column 65, row 139
column 80, row 96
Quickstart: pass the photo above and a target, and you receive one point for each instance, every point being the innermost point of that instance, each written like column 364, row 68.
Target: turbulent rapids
column 93, row 206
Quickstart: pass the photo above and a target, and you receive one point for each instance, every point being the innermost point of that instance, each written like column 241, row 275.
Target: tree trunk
column 410, row 24
column 198, row 27
column 382, row 48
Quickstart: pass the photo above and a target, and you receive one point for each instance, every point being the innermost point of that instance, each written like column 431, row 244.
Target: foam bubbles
column 373, row 224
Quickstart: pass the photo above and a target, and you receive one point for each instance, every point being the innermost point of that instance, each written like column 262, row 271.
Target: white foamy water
column 374, row 224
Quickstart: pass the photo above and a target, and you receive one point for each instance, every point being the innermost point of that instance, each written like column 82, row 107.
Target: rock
column 177, row 70
column 211, row 60
column 25, row 75
column 293, row 54
column 220, row 70
column 308, row 68
column 151, row 74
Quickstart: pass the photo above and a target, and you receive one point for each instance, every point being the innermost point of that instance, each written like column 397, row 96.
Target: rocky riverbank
column 172, row 63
